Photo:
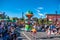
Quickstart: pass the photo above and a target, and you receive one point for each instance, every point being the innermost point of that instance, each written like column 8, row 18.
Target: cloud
column 40, row 14
column 40, row 8
column 37, row 10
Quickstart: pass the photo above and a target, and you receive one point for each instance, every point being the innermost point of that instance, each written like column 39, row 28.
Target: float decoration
column 29, row 14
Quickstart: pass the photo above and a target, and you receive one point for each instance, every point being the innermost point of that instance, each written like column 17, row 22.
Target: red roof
column 53, row 14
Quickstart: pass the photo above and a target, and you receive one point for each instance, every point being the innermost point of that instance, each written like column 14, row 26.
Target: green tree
column 35, row 19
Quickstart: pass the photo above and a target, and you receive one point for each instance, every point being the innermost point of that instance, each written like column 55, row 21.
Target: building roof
column 53, row 14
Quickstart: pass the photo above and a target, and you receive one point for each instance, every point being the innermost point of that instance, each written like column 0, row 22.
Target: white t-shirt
column 35, row 26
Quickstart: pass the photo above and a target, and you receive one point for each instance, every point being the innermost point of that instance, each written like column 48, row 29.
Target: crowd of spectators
column 7, row 29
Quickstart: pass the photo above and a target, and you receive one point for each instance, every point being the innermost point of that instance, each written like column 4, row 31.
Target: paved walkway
column 39, row 36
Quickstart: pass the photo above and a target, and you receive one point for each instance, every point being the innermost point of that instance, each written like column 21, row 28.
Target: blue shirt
column 52, row 27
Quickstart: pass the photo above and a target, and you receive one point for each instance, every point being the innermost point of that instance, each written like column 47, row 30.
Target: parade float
column 28, row 15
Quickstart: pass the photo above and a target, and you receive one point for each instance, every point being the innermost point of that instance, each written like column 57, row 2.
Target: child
column 33, row 32
column 48, row 32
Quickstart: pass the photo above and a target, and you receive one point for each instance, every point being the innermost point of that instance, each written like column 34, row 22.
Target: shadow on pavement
column 49, row 37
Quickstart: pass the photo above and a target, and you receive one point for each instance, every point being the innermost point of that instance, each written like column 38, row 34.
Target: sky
column 14, row 8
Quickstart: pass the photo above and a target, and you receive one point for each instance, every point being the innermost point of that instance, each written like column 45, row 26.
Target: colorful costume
column 34, row 30
column 26, row 27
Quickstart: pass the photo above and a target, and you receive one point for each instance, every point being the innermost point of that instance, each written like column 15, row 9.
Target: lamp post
column 47, row 20
column 22, row 15
column 56, row 17
column 42, row 20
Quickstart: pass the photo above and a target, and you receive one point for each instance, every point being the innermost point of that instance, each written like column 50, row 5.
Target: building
column 55, row 18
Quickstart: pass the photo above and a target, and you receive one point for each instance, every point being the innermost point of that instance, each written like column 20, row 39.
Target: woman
column 35, row 26
column 48, row 31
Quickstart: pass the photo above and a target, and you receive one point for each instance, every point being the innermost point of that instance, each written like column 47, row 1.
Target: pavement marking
column 33, row 36
column 19, row 37
column 40, row 39
column 26, row 36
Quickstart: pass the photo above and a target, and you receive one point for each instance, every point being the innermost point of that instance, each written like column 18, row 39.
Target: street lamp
column 47, row 20
column 22, row 15
column 56, row 17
